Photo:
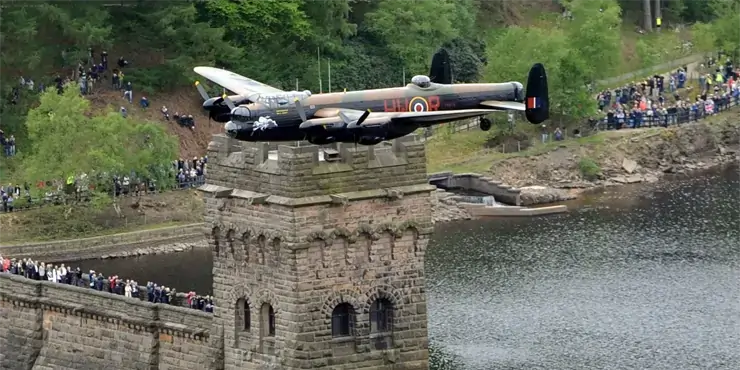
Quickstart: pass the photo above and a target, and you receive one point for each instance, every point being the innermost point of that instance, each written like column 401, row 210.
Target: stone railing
column 95, row 247
column 477, row 183
column 49, row 325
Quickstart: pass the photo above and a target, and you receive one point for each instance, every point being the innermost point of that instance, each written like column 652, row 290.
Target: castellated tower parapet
column 318, row 263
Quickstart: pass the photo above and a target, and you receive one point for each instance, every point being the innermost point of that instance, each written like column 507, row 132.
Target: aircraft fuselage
column 411, row 98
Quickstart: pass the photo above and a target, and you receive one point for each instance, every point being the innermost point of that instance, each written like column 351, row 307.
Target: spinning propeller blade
column 202, row 91
column 228, row 101
column 301, row 111
column 359, row 121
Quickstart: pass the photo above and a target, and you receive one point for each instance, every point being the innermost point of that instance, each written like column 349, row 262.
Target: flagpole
column 318, row 53
column 329, row 62
column 404, row 77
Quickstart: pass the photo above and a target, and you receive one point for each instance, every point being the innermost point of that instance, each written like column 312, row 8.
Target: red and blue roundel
column 418, row 104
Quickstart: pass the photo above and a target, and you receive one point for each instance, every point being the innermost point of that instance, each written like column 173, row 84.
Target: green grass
column 119, row 230
column 465, row 151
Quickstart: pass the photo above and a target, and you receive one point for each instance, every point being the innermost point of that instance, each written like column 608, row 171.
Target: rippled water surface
column 633, row 279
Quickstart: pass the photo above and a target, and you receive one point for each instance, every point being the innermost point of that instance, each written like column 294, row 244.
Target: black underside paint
column 289, row 121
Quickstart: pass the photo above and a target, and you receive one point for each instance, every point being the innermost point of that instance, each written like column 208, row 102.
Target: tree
column 722, row 34
column 466, row 58
column 66, row 141
column 414, row 29
column 513, row 52
column 647, row 23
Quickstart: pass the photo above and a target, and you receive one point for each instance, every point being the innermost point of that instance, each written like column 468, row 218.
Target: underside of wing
column 436, row 116
column 334, row 112
column 235, row 82
column 503, row 105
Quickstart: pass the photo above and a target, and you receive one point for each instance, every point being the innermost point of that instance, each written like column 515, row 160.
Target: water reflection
column 184, row 271
column 635, row 279
column 652, row 283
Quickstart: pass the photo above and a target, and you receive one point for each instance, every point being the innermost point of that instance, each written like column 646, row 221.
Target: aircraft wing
column 381, row 118
column 235, row 82
column 503, row 105
column 435, row 116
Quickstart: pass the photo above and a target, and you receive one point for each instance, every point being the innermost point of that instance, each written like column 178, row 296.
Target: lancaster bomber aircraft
column 263, row 113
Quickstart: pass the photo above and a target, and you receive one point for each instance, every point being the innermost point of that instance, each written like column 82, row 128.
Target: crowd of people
column 61, row 274
column 187, row 174
column 652, row 102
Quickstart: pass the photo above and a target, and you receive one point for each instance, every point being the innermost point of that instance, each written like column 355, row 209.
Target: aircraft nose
column 231, row 129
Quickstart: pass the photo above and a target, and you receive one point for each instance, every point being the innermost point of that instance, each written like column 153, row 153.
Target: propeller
column 205, row 96
column 353, row 124
column 301, row 111
column 202, row 91
column 228, row 101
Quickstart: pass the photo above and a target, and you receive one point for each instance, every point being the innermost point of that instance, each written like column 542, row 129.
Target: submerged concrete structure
column 318, row 263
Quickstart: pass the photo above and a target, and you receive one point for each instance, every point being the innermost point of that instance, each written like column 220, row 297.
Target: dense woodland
column 369, row 43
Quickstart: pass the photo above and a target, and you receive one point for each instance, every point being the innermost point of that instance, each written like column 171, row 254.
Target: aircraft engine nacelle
column 219, row 111
column 369, row 140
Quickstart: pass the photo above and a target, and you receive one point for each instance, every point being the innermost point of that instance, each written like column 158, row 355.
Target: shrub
column 590, row 170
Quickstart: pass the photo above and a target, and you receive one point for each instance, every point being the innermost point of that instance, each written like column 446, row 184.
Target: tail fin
column 537, row 101
column 441, row 72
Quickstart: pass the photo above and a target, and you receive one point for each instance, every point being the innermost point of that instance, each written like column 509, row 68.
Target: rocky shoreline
column 159, row 249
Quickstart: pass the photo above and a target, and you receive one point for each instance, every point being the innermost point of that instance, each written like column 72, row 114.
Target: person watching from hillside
column 144, row 102
column 122, row 62
column 128, row 93
column 104, row 60
column 124, row 112
column 165, row 113
column 90, row 58
column 11, row 145
column 116, row 79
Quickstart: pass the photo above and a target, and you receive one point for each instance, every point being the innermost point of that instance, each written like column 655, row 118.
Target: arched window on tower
column 381, row 316
column 243, row 315
column 267, row 329
column 343, row 320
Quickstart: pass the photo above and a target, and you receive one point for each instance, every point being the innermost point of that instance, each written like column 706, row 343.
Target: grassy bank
column 81, row 221
column 472, row 151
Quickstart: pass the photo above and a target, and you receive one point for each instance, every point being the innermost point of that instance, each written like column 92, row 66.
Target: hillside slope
column 182, row 101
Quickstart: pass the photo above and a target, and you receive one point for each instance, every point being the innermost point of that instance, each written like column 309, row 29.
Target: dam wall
column 476, row 182
column 95, row 247
column 56, row 326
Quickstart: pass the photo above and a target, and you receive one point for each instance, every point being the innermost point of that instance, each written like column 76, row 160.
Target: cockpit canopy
column 421, row 81
column 241, row 114
column 275, row 101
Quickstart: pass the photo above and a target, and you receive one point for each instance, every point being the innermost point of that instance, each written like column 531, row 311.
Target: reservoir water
column 638, row 278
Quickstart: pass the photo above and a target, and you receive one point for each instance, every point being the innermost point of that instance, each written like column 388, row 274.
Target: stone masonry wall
column 302, row 237
column 297, row 173
column 54, row 326
column 77, row 249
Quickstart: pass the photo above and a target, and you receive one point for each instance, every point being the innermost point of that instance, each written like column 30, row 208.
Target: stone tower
column 318, row 263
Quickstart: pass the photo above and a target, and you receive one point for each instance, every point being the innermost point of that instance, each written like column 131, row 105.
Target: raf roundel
column 418, row 104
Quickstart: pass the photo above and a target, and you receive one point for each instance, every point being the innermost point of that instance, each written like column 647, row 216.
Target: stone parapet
column 95, row 247
column 297, row 171
column 48, row 325
column 479, row 183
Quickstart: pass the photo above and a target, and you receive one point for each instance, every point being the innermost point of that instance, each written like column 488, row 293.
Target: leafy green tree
column 467, row 57
column 593, row 36
column 66, row 141
column 722, row 34
column 575, row 54
column 414, row 29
